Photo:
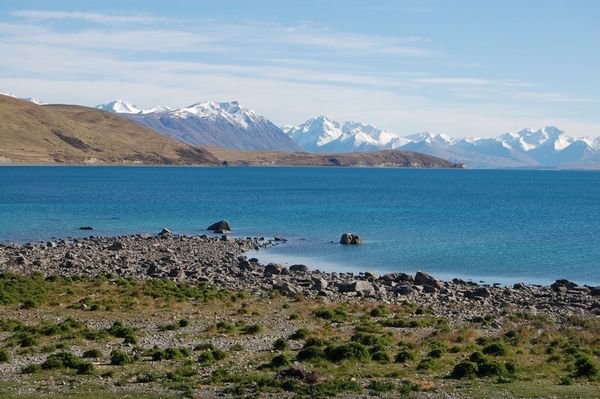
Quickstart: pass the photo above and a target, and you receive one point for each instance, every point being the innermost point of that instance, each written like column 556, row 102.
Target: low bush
column 311, row 353
column 92, row 353
column 120, row 358
column 349, row 351
column 495, row 349
column 404, row 356
column 280, row 344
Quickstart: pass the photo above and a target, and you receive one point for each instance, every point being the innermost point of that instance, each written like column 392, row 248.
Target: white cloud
column 288, row 73
column 99, row 18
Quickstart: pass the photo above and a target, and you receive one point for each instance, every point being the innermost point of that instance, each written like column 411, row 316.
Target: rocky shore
column 220, row 261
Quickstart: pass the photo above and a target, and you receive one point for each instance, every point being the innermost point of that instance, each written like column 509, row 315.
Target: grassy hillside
column 31, row 133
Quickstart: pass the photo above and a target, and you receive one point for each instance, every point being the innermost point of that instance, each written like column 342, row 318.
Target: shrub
column 300, row 333
column 280, row 344
column 585, row 366
column 379, row 311
column 225, row 326
column 31, row 369
column 4, row 358
column 489, row 368
column 119, row 330
column 61, row 360
column 464, row 369
column 314, row 341
column 183, row 323
column 370, row 339
column 119, row 358
column 85, row 368
column 206, row 357
column 27, row 340
column 381, row 357
column 92, row 353
column 436, row 353
column 211, row 356
column 349, row 351
column 339, row 314
column 495, row 349
column 311, row 353
column 404, row 356
column 426, row 364
column 280, row 361
column 252, row 329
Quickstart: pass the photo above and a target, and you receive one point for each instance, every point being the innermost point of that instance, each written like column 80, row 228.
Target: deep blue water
column 492, row 225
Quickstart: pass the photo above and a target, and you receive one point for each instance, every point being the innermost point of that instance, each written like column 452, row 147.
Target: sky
column 463, row 68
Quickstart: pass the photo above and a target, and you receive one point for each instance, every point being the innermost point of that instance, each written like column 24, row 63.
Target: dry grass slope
column 68, row 134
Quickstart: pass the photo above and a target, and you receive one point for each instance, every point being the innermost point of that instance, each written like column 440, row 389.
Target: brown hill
column 387, row 158
column 72, row 134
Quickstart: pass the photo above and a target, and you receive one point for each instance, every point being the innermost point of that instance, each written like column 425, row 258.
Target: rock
column 299, row 268
column 519, row 286
column 116, row 245
column 427, row 280
column 406, row 277
column 274, row 269
column 86, row 228
column 224, row 237
column 288, row 289
column 595, row 291
column 319, row 284
column 220, row 227
column 279, row 239
column 371, row 276
column 403, row 289
column 350, row 239
column 165, row 233
column 175, row 272
column 51, row 244
column 361, row 287
column 562, row 285
column 478, row 293
column 18, row 260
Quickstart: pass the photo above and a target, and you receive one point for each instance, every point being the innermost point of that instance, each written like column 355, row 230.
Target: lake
column 492, row 225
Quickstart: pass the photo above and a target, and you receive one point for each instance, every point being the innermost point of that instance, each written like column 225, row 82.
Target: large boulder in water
column 350, row 239
column 220, row 227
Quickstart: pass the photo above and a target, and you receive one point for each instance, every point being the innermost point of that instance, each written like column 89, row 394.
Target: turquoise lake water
column 492, row 225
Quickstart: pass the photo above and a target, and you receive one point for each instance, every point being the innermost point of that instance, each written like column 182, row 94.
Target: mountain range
column 547, row 147
column 230, row 125
column 31, row 133
column 210, row 124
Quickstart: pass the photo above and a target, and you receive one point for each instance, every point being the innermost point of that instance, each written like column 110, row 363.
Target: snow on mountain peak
column 119, row 106
column 324, row 134
column 33, row 100
column 231, row 111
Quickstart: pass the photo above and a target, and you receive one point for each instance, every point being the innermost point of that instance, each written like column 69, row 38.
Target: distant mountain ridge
column 210, row 124
column 546, row 147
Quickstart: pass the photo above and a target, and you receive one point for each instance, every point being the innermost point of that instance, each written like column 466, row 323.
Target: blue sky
column 465, row 68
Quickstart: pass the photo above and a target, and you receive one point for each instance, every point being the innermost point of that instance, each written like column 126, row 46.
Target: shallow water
column 493, row 225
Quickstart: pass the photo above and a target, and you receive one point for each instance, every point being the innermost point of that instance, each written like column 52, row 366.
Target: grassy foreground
column 110, row 337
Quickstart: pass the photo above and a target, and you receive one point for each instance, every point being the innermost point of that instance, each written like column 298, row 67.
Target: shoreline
column 222, row 261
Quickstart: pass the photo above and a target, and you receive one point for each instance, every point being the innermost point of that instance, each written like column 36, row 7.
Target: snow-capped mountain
column 546, row 147
column 30, row 99
column 322, row 134
column 210, row 124
column 119, row 106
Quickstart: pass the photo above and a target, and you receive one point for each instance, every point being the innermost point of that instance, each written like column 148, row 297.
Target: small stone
column 299, row 268
column 116, row 245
